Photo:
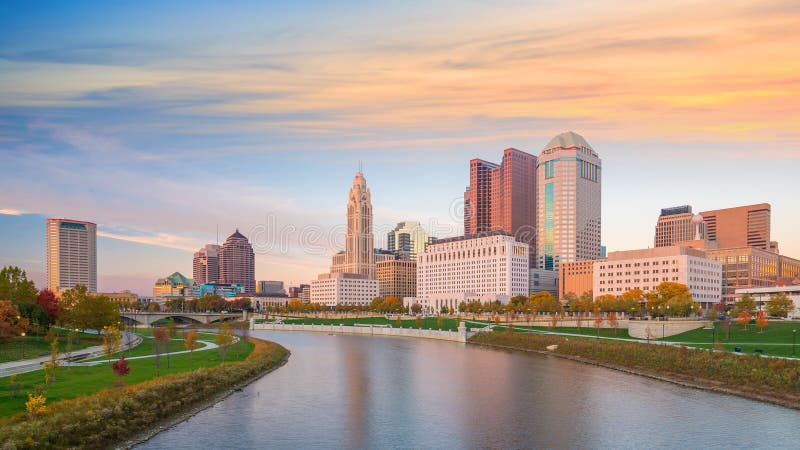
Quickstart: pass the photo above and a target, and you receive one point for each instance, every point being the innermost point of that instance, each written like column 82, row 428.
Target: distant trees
column 15, row 286
column 779, row 305
column 761, row 321
column 744, row 318
column 89, row 311
column 745, row 304
column 672, row 299
column 48, row 302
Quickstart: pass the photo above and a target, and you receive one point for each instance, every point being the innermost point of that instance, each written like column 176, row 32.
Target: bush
column 111, row 416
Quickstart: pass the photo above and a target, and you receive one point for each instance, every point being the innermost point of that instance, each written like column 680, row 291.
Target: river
column 345, row 391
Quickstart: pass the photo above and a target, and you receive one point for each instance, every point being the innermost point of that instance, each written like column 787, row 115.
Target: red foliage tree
column 120, row 367
column 47, row 300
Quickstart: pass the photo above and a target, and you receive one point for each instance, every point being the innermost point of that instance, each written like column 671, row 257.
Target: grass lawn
column 621, row 333
column 35, row 346
column 428, row 322
column 750, row 339
column 75, row 381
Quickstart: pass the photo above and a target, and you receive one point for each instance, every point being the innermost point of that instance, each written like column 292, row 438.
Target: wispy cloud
column 11, row 212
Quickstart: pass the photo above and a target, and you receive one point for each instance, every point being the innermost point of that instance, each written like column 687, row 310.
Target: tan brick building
column 397, row 277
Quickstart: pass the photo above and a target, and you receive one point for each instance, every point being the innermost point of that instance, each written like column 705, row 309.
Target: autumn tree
column 658, row 298
column 224, row 339
column 545, row 302
column 630, row 301
column 745, row 304
column 376, row 305
column 120, row 367
column 598, row 321
column 160, row 342
column 418, row 321
column 744, row 319
column 47, row 300
column 779, row 305
column 439, row 321
column 15, row 286
column 612, row 321
column 87, row 310
column 12, row 325
column 190, row 343
column 607, row 303
column 761, row 321
column 111, row 340
column 391, row 304
column 171, row 328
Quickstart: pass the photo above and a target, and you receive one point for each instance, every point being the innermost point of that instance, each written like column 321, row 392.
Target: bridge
column 147, row 318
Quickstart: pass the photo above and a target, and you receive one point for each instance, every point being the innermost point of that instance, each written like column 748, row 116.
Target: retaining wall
column 656, row 329
column 456, row 336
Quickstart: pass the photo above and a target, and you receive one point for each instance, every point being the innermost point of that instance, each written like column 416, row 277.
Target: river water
column 345, row 391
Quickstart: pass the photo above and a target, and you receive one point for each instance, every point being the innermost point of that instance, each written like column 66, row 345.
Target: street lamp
column 23, row 344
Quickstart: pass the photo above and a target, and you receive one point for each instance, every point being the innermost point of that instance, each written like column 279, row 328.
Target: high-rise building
column 332, row 289
column 407, row 240
column 297, row 291
column 677, row 224
column 575, row 277
column 568, row 202
column 492, row 266
column 751, row 267
column 71, row 254
column 503, row 197
column 205, row 265
column 359, row 251
column 237, row 262
column 397, row 277
column 742, row 226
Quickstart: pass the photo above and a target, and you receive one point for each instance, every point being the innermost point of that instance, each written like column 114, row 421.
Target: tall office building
column 503, row 197
column 568, row 202
column 71, row 254
column 742, row 226
column 677, row 224
column 397, row 277
column 407, row 240
column 359, row 251
column 205, row 265
column 237, row 263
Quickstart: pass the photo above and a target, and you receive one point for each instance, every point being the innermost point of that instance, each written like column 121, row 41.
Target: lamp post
column 23, row 344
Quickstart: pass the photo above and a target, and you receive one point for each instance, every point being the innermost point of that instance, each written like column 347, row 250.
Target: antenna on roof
column 360, row 166
column 217, row 234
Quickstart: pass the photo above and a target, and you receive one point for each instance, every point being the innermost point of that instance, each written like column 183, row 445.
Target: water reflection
column 376, row 392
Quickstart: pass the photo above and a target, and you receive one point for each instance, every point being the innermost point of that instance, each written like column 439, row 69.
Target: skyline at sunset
column 164, row 124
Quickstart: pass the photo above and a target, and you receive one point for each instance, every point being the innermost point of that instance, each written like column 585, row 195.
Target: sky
column 164, row 122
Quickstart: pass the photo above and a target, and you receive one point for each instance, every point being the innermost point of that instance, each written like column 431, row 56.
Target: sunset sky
column 161, row 121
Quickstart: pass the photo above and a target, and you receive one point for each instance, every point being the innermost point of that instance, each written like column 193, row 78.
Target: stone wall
column 656, row 329
column 455, row 336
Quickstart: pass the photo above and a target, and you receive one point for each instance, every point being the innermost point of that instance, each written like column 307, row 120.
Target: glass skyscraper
column 568, row 176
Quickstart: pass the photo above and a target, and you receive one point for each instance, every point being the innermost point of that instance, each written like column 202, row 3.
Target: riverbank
column 116, row 417
column 775, row 381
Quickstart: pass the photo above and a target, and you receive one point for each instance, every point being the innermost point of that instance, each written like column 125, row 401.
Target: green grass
column 749, row 340
column 36, row 346
column 75, row 381
column 428, row 322
column 621, row 333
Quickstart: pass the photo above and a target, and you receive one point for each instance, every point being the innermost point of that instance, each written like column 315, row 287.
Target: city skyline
column 153, row 151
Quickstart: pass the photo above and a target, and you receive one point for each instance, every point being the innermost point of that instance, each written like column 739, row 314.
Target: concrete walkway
column 127, row 341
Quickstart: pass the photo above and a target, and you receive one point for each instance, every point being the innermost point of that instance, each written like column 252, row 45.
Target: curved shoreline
column 701, row 384
column 183, row 416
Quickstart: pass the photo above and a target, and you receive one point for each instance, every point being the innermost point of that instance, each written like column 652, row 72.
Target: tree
column 779, row 305
column 171, row 328
column 612, row 320
column 376, row 305
column 745, row 304
column 630, row 301
column 89, row 311
column 598, row 321
column 416, row 308
column 47, row 300
column 607, row 303
column 761, row 321
column 190, row 342
column 120, row 367
column 418, row 321
column 392, row 304
column 35, row 405
column 744, row 319
column 439, row 321
column 38, row 320
column 544, row 301
column 224, row 339
column 15, row 286
column 657, row 299
column 160, row 341
column 12, row 324
column 111, row 339
column 153, row 307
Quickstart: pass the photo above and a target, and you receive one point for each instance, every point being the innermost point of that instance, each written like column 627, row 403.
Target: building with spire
column 237, row 263
column 351, row 280
column 568, row 176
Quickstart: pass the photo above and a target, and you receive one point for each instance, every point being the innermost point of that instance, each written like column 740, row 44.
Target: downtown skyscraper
column 359, row 250
column 71, row 254
column 237, row 262
column 568, row 201
column 502, row 197
column 206, row 264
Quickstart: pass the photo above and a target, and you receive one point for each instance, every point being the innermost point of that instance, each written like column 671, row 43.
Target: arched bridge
column 147, row 318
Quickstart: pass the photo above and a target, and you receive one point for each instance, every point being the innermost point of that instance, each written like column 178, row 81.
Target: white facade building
column 344, row 289
column 488, row 267
column 763, row 295
column 71, row 254
column 647, row 268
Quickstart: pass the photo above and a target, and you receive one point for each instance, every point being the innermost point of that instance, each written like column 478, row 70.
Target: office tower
column 677, row 224
column 568, row 202
column 751, row 267
column 205, row 265
column 269, row 287
column 503, row 197
column 407, row 240
column 237, row 263
column 742, row 226
column 397, row 277
column 359, row 252
column 71, row 254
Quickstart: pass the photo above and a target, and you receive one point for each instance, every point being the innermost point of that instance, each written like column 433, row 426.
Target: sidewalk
column 30, row 365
